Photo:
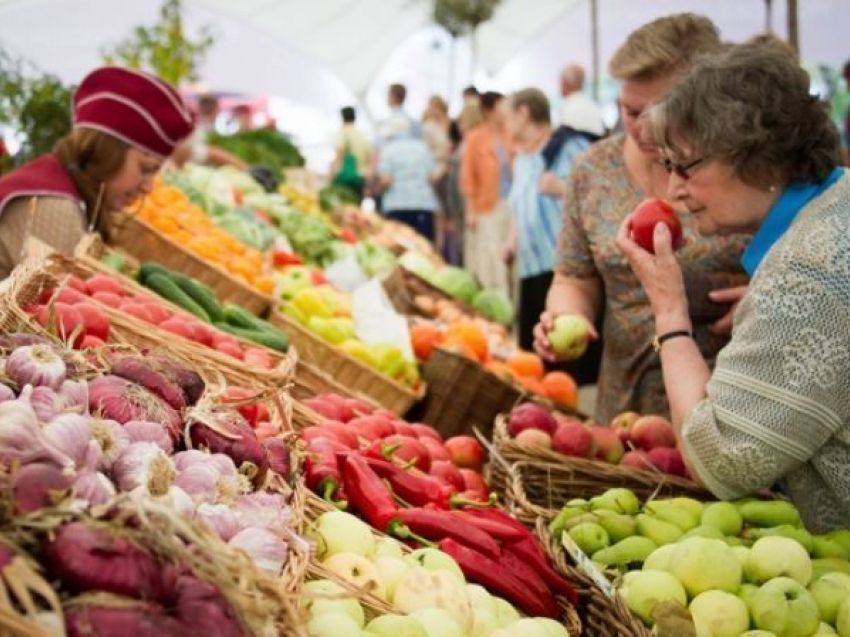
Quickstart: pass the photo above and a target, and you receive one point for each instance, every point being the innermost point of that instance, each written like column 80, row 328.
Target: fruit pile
column 651, row 439
column 171, row 212
column 740, row 565
column 74, row 314
column 427, row 588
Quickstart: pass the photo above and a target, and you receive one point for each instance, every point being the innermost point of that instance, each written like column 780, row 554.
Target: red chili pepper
column 437, row 525
column 494, row 528
column 489, row 573
column 417, row 490
column 323, row 478
column 370, row 496
column 282, row 258
column 522, row 571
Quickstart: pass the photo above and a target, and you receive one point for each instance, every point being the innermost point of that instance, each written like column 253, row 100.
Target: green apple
column 824, row 629
column 842, row 619
column 569, row 336
column 742, row 553
column 747, row 593
column 341, row 532
column 785, row 607
column 719, row 614
column 333, row 625
column 642, row 590
column 552, row 628
column 434, row 560
column 723, row 516
column 527, row 627
column 389, row 547
column 394, row 626
column 421, row 588
column 777, row 556
column 829, row 565
column 659, row 560
column 618, row 500
column 480, row 598
column 483, row 623
column 506, row 614
column 438, row 623
column 758, row 633
column 829, row 591
column 323, row 596
column 703, row 564
column 357, row 570
column 590, row 537
column 842, row 536
column 390, row 571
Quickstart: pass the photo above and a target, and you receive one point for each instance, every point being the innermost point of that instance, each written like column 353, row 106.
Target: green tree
column 163, row 49
column 463, row 17
column 36, row 106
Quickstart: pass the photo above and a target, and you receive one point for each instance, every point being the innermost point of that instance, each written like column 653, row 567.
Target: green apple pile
column 744, row 568
column 426, row 587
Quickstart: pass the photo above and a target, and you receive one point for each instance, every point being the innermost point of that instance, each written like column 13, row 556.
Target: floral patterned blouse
column 599, row 197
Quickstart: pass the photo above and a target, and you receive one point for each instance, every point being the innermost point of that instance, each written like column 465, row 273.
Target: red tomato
column 647, row 215
column 157, row 310
column 204, row 333
column 104, row 283
column 96, row 322
column 177, row 326
column 67, row 323
column 77, row 284
column 258, row 357
column 137, row 310
column 108, row 298
column 91, row 342
column 254, row 412
column 224, row 337
column 231, row 349
column 71, row 296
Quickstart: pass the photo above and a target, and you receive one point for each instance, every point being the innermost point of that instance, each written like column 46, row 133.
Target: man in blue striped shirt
column 540, row 169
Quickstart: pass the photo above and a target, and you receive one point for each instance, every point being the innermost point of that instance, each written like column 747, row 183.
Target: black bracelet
column 658, row 341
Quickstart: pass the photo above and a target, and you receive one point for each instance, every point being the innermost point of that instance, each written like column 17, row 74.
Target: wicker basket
column 602, row 616
column 415, row 286
column 548, row 479
column 463, row 395
column 316, row 507
column 139, row 239
column 347, row 370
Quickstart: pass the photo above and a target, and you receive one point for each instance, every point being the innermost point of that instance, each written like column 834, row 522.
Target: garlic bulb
column 199, row 481
column 20, row 435
column 93, row 486
column 263, row 509
column 74, row 395
column 36, row 365
column 185, row 459
column 6, row 393
column 219, row 518
column 111, row 437
column 70, row 434
column 145, row 466
column 268, row 551
column 180, row 501
column 144, row 431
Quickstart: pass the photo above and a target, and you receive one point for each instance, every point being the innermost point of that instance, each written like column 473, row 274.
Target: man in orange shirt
column 485, row 183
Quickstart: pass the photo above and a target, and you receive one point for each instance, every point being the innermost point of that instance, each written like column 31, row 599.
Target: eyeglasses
column 681, row 170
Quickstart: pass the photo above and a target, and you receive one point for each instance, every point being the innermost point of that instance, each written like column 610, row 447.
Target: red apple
column 530, row 416
column 647, row 215
column 406, row 450
column 669, row 461
column 466, row 452
column 609, row 447
column 650, row 432
column 426, row 431
column 637, row 460
column 448, row 473
column 622, row 424
column 534, row 438
column 435, row 449
column 574, row 439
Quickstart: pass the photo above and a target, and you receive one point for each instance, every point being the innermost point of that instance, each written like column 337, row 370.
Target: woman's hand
column 552, row 185
column 660, row 276
column 542, row 344
column 723, row 325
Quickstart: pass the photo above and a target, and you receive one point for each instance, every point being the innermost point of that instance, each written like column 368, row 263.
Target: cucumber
column 168, row 289
column 276, row 341
column 150, row 267
column 114, row 261
column 200, row 294
column 240, row 317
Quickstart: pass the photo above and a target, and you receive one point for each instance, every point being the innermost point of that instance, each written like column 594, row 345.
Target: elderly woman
column 750, row 150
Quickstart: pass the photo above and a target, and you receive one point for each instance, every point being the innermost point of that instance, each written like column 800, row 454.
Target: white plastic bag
column 376, row 321
column 346, row 274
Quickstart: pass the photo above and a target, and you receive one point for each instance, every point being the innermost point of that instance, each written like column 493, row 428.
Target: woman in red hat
column 125, row 125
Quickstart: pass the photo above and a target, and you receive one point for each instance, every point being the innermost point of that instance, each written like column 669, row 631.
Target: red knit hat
column 135, row 107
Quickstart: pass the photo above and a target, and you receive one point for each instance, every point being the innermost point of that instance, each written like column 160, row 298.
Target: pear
column 584, row 518
column 829, row 565
column 658, row 531
column 825, row 547
column 558, row 525
column 590, row 537
column 773, row 513
column 632, row 549
column 704, row 531
column 841, row 536
column 785, row 530
column 689, row 504
column 674, row 514
column 618, row 525
column 579, row 503
column 660, row 558
column 617, row 500
column 724, row 516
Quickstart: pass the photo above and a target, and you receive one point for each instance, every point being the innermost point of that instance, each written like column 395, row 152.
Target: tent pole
column 768, row 16
column 793, row 26
column 594, row 45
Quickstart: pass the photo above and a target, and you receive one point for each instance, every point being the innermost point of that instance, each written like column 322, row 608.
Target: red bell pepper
column 282, row 258
column 437, row 525
column 489, row 573
column 368, row 494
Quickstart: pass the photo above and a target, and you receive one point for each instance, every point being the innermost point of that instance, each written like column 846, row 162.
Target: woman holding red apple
column 750, row 150
column 607, row 182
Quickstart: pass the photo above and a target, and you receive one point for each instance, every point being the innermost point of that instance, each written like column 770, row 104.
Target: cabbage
column 495, row 306
column 420, row 265
column 457, row 283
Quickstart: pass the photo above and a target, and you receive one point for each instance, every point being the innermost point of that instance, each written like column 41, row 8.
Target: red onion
column 139, row 620
column 144, row 431
column 143, row 371
column 120, row 400
column 228, row 433
column 6, row 556
column 38, row 485
column 201, row 606
column 92, row 559
column 279, row 457
column 37, row 365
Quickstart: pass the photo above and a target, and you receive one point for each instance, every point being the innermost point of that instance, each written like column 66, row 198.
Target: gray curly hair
column 750, row 108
